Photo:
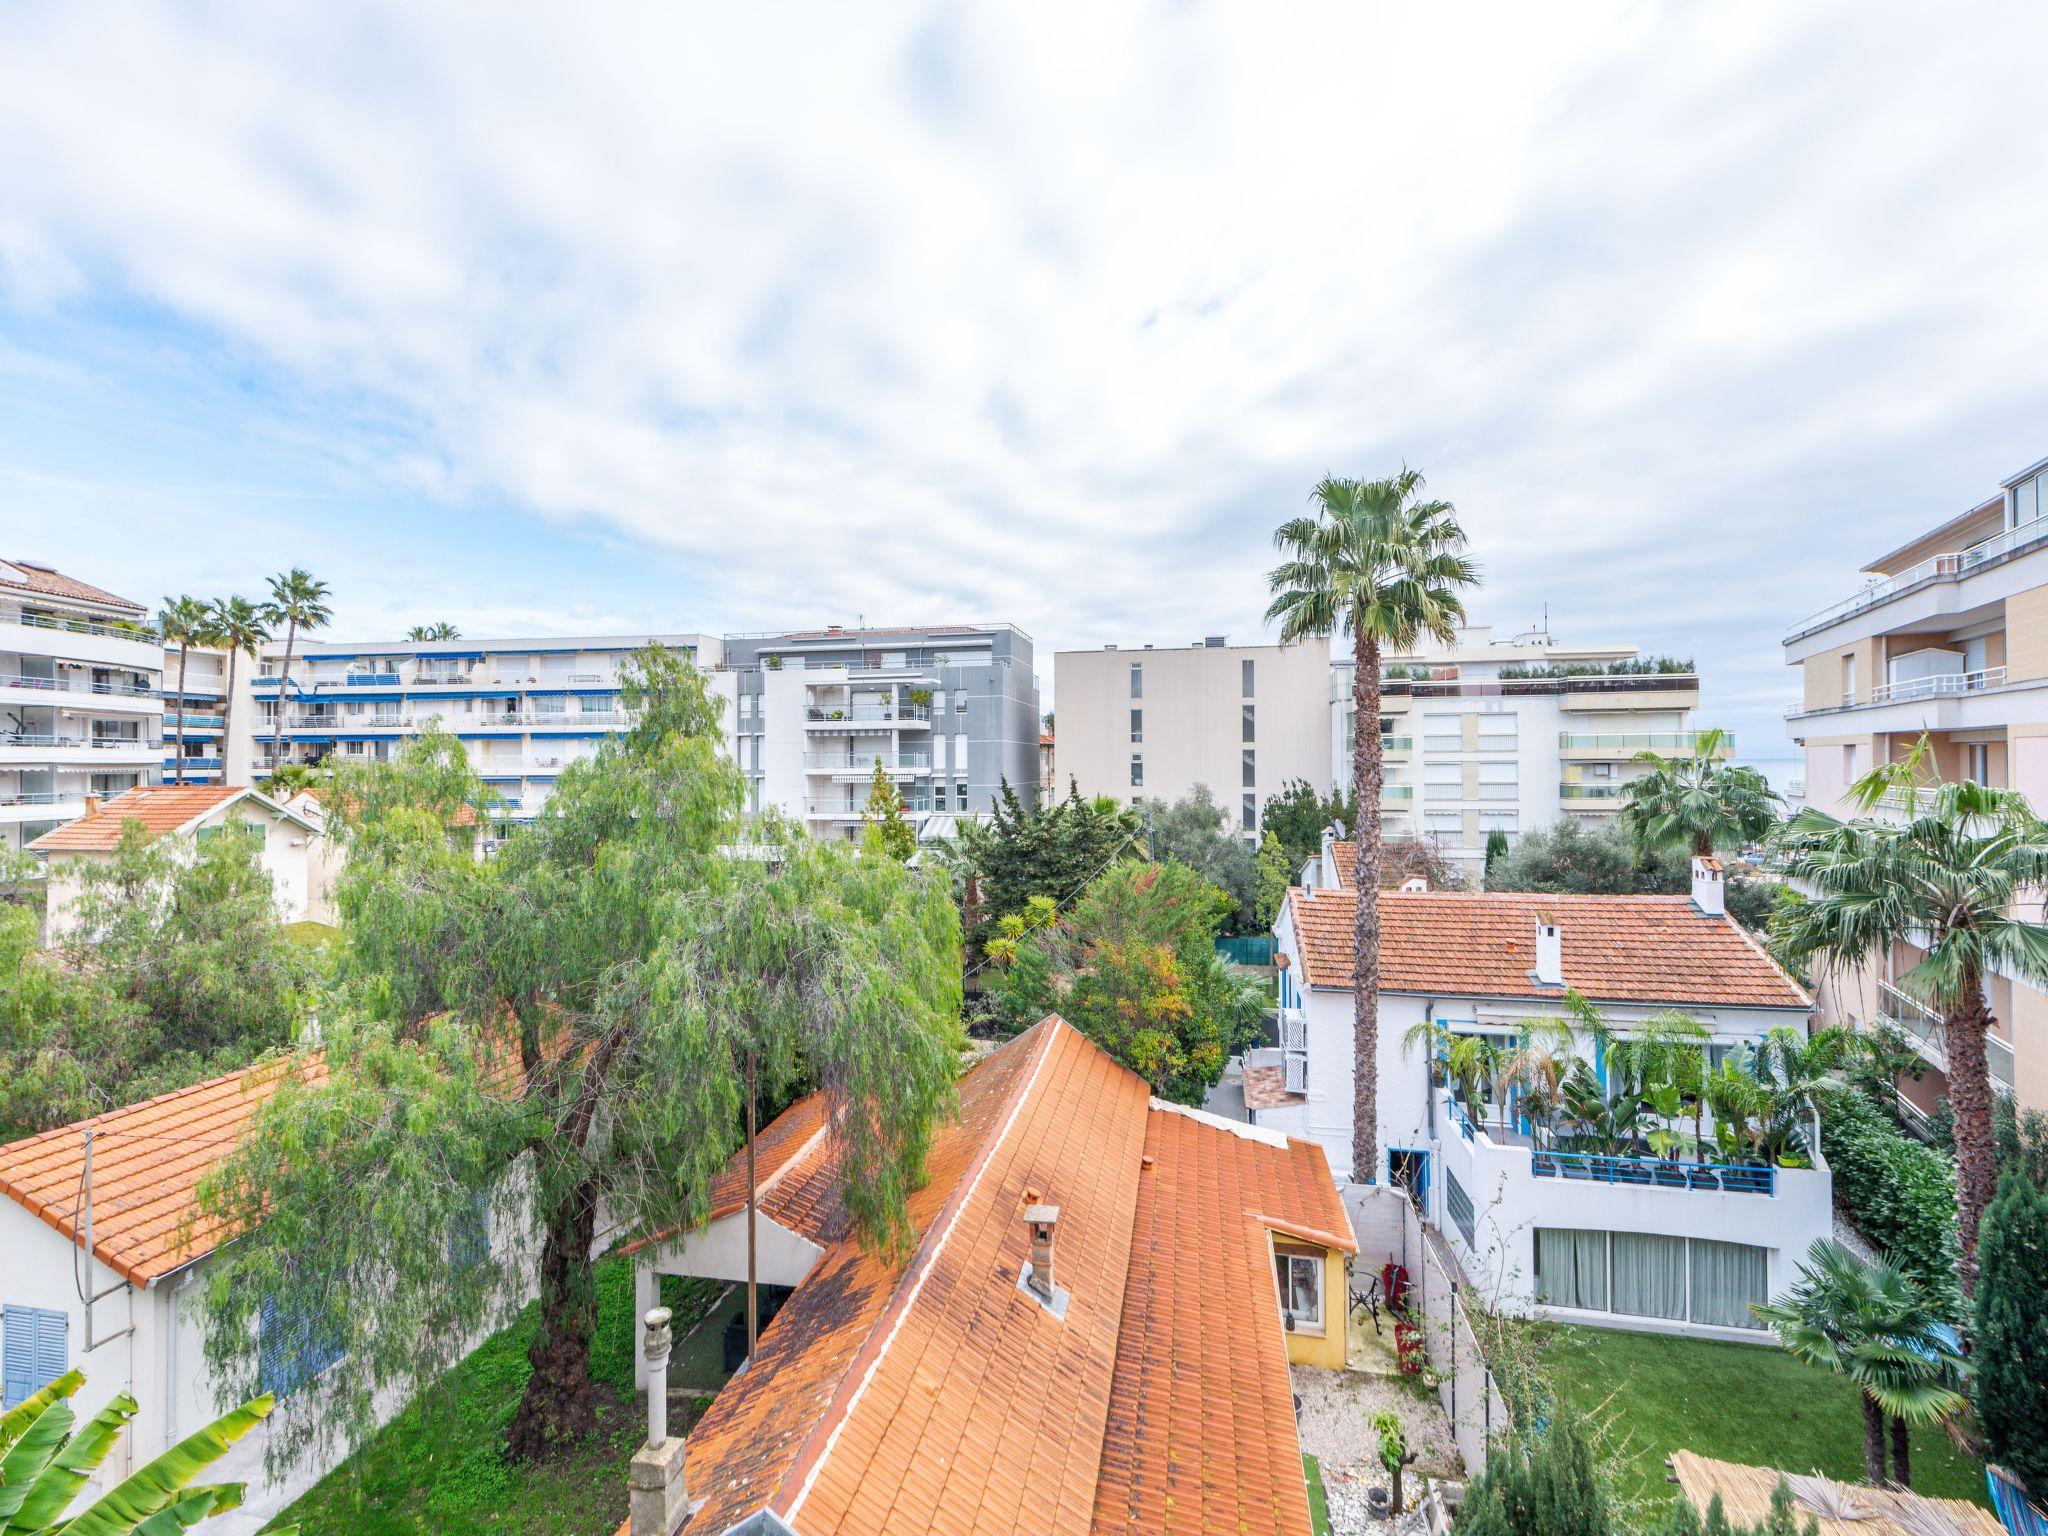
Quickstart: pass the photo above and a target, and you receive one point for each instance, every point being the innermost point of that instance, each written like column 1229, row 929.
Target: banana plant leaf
column 31, row 1453
column 30, row 1408
column 58, row 1484
column 191, row 1507
column 154, row 1488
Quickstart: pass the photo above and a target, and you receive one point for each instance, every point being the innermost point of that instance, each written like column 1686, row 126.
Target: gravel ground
column 1334, row 1408
column 1851, row 1239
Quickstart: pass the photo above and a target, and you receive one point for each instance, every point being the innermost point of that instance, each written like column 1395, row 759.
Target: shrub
column 2012, row 1329
column 1900, row 1194
column 1545, row 1483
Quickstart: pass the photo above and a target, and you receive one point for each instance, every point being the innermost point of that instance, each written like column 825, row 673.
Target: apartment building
column 80, row 713
column 1153, row 722
column 1948, row 637
column 1506, row 735
column 950, row 711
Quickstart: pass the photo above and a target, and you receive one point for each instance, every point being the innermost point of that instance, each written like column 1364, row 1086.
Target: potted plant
column 921, row 697
column 774, row 663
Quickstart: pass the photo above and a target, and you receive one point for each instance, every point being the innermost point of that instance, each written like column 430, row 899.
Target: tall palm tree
column 298, row 602
column 442, row 630
column 1698, row 803
column 238, row 624
column 1943, row 877
column 184, row 623
column 1381, row 564
column 1868, row 1321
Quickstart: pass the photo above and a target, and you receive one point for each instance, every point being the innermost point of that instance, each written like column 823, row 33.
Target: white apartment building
column 80, row 713
column 1508, row 735
column 1153, row 722
column 1948, row 637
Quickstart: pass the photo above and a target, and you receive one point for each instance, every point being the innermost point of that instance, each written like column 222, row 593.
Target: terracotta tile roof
column 1345, row 856
column 1266, row 1088
column 33, row 576
column 160, row 808
column 1643, row 949
column 147, row 1162
column 929, row 1393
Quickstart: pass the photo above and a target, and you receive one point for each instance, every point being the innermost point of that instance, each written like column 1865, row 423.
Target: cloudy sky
column 559, row 318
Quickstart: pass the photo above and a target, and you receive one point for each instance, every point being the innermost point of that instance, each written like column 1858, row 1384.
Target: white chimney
column 1549, row 971
column 1709, row 887
column 657, row 1480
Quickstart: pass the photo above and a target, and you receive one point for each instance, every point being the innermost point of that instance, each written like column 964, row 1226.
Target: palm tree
column 1381, row 564
column 1870, row 1322
column 441, row 631
column 298, row 602
column 1944, row 878
column 1699, row 803
column 238, row 624
column 184, row 623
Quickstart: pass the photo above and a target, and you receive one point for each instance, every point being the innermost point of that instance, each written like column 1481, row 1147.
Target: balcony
column 852, row 718
column 1936, row 687
column 20, row 747
column 1946, row 568
column 370, row 680
column 193, row 722
column 844, row 810
column 1397, row 746
column 1396, row 792
column 1629, row 743
column 842, row 765
column 1589, row 791
column 1924, row 1030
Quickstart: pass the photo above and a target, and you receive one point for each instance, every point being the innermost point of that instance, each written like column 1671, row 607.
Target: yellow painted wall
column 1824, row 674
column 2026, row 634
column 1329, row 1347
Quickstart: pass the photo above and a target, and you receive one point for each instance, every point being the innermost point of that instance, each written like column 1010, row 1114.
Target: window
column 1726, row 1278
column 1443, row 823
column 1849, row 765
column 1137, row 679
column 1245, row 670
column 1500, row 821
column 1644, row 1275
column 294, row 1348
column 1452, row 774
column 1977, row 762
column 1459, row 1204
column 1571, row 1268
column 1498, row 732
column 1442, row 733
column 1251, row 768
column 1649, row 1274
column 1137, row 726
column 960, row 797
column 34, row 1351
column 469, row 1236
column 959, row 706
column 1300, row 1274
column 2026, row 501
column 1499, row 781
column 1251, row 813
column 1137, row 772
column 1250, row 733
column 1849, row 678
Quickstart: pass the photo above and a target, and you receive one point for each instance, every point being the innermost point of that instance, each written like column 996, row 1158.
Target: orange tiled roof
column 1345, row 856
column 929, row 1393
column 37, row 577
column 1266, row 1088
column 160, row 808
column 1641, row 949
column 147, row 1161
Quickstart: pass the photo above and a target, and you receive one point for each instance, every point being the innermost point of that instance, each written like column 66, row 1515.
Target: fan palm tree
column 1378, row 562
column 239, row 626
column 47, row 1465
column 298, row 602
column 1699, row 803
column 184, row 622
column 440, row 631
column 1944, row 878
column 1868, row 1321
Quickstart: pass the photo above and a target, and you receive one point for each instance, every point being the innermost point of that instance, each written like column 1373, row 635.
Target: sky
column 553, row 319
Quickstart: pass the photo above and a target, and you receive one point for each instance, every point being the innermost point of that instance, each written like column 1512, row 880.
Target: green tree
column 1540, row 1483
column 1381, row 564
column 2011, row 1334
column 1569, row 858
column 1693, row 805
column 184, row 622
column 298, row 602
column 1048, row 850
column 47, row 1465
column 534, row 1033
column 238, row 627
column 1868, row 1321
column 1197, row 831
column 1297, row 816
column 442, row 630
column 1133, row 966
column 884, row 818
column 1496, row 850
column 287, row 779
column 1944, row 877
column 1274, row 875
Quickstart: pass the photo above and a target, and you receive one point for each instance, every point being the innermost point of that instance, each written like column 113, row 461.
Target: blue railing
column 371, row 680
column 1459, row 1118
column 1658, row 1172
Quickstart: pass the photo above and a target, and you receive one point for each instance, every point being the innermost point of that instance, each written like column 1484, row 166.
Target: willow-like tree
column 1379, row 563
column 525, row 1051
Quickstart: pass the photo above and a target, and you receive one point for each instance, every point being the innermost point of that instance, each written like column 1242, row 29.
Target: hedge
column 1898, row 1193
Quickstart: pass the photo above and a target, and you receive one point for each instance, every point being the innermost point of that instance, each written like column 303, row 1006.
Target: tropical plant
column 1867, row 1320
column 298, row 602
column 238, row 627
column 1698, row 803
column 2010, row 1343
column 184, row 622
column 442, row 630
column 288, row 779
column 887, row 827
column 1378, row 562
column 1946, row 878
column 47, row 1462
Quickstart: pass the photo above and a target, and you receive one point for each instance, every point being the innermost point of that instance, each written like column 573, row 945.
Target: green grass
column 1736, row 1402
column 440, row 1466
column 1318, row 1499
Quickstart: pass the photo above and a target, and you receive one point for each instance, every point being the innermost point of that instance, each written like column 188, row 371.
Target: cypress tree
column 2012, row 1331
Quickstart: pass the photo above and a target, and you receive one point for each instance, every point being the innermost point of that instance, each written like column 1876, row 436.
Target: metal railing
column 66, row 685
column 860, row 712
column 1927, row 1030
column 133, row 632
column 370, row 680
column 1662, row 1173
column 42, row 796
column 1947, row 567
column 1589, row 791
column 845, row 809
column 1935, row 687
column 1521, row 687
column 840, row 762
column 1640, row 741
column 39, row 739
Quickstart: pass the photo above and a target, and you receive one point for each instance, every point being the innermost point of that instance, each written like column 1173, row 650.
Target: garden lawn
column 1737, row 1402
column 440, row 1466
column 1318, row 1498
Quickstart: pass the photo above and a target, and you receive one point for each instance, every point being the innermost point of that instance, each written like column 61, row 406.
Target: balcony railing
column 840, row 762
column 1927, row 1030
column 133, row 632
column 1397, row 791
column 860, row 712
column 1397, row 743
column 370, row 680
column 66, row 685
column 40, row 739
column 42, row 796
column 202, row 722
column 844, row 809
column 1936, row 687
column 1663, row 1173
column 1639, row 741
column 1947, row 567
column 1589, row 791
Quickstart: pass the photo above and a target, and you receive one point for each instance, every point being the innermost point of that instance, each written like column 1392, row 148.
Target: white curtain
column 1649, row 1275
column 1726, row 1278
column 1571, row 1268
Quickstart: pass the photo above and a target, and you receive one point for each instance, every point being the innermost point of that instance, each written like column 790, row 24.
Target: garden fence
column 1253, row 949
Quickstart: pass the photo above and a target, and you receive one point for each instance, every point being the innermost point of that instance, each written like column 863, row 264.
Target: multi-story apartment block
column 1153, row 723
column 950, row 711
column 208, row 756
column 1948, row 639
column 80, row 713
column 1487, row 735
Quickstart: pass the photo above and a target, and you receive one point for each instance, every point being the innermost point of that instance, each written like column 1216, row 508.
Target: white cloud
column 1048, row 312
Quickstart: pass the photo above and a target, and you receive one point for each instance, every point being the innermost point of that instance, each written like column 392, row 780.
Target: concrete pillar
column 646, row 1297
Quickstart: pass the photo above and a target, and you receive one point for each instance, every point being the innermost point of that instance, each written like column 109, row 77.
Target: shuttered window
column 33, row 1352
column 295, row 1348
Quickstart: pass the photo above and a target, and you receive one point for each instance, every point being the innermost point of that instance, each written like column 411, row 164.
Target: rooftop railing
column 1948, row 567
column 1638, row 741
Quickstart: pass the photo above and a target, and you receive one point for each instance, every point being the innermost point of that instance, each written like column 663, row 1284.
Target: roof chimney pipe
column 1709, row 885
column 1549, row 971
column 657, row 1480
column 1036, row 1278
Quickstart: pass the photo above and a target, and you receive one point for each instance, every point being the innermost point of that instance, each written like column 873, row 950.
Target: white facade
column 1152, row 723
column 1472, row 748
column 79, row 708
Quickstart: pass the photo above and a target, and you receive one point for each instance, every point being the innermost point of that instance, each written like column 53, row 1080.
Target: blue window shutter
column 469, row 1236
column 34, row 1352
